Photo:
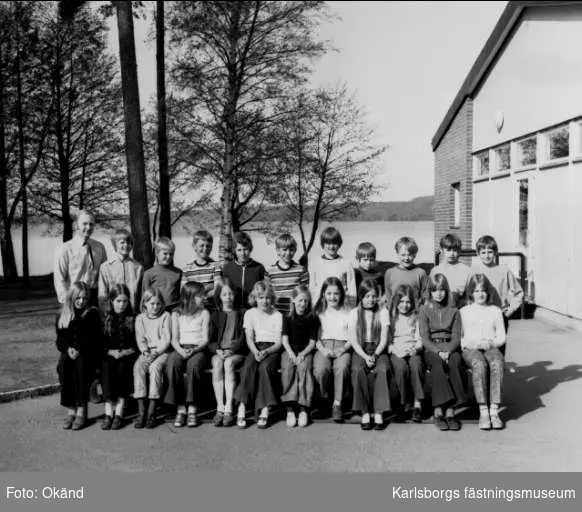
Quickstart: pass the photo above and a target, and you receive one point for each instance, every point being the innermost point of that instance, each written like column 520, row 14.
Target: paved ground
column 542, row 395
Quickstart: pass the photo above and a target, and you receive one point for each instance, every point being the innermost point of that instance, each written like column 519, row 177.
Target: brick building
column 508, row 153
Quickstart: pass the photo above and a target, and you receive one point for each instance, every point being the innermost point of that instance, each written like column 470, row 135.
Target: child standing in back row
column 286, row 274
column 406, row 273
column 203, row 269
column 164, row 276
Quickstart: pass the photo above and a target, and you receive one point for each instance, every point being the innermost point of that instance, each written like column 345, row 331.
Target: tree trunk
column 138, row 201
column 165, row 228
column 6, row 246
column 21, row 165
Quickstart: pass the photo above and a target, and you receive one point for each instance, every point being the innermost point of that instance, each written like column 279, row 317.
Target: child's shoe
column 303, row 419
column 484, row 421
column 107, row 422
column 218, row 420
column 180, row 420
column 68, row 422
column 79, row 422
column 291, row 419
column 453, row 423
column 263, row 422
column 229, row 420
column 416, row 415
column 140, row 421
column 117, row 422
column 336, row 414
column 241, row 422
column 151, row 422
column 441, row 423
column 193, row 420
column 496, row 422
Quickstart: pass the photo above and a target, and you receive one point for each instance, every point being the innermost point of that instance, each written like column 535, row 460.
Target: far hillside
column 420, row 208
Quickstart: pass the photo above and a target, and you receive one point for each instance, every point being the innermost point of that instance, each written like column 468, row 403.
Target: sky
column 405, row 62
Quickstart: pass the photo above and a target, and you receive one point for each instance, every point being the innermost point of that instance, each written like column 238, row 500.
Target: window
column 526, row 152
column 456, row 204
column 579, row 148
column 523, row 211
column 557, row 143
column 502, row 159
column 482, row 164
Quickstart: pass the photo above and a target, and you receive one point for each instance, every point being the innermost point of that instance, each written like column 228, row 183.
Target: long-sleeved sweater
column 482, row 327
column 153, row 333
column 440, row 322
column 507, row 293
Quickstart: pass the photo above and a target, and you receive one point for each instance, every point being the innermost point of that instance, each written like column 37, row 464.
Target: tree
column 26, row 106
column 81, row 165
column 138, row 204
column 328, row 158
column 164, row 181
column 232, row 62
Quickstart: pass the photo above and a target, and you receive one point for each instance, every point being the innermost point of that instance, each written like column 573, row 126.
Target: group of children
column 343, row 333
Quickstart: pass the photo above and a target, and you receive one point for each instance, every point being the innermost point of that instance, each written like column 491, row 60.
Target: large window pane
column 502, row 159
column 526, row 152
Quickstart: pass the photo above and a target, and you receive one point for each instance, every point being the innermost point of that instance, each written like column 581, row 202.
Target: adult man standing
column 79, row 259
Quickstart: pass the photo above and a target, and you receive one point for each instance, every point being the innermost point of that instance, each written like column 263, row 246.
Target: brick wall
column 453, row 164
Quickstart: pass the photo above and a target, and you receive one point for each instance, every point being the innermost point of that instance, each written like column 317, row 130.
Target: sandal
column 218, row 420
column 180, row 420
column 68, row 423
column 193, row 420
column 79, row 422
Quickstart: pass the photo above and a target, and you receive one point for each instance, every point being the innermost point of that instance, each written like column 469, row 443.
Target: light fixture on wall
column 499, row 120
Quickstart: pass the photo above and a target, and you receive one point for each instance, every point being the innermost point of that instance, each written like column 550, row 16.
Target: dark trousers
column 75, row 378
column 371, row 385
column 117, row 377
column 258, row 381
column 445, row 379
column 189, row 392
column 408, row 372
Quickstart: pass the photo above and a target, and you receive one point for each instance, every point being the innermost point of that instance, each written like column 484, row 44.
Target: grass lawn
column 29, row 355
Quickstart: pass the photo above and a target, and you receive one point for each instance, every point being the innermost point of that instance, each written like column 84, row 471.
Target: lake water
column 44, row 241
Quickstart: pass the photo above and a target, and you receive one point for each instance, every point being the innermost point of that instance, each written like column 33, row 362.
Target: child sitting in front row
column 405, row 348
column 119, row 355
column 369, row 326
column 78, row 332
column 263, row 328
column 152, row 334
column 333, row 347
column 300, row 329
column 483, row 336
column 440, row 329
column 229, row 349
column 190, row 328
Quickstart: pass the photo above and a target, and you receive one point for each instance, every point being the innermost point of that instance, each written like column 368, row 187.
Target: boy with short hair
column 456, row 272
column 507, row 292
column 121, row 269
column 243, row 272
column 285, row 274
column 331, row 264
column 406, row 272
column 368, row 268
column 203, row 269
column 164, row 276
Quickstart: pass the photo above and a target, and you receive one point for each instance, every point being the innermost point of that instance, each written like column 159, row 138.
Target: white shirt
column 482, row 324
column 191, row 330
column 77, row 262
column 334, row 324
column 268, row 327
column 117, row 271
column 321, row 268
